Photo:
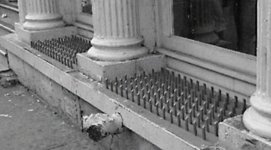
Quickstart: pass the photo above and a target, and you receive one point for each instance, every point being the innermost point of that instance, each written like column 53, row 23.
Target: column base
column 257, row 123
column 258, row 117
column 234, row 136
column 42, row 25
column 117, row 54
column 28, row 36
column 100, row 70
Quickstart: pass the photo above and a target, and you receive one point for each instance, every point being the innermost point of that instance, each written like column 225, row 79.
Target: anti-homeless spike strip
column 63, row 49
column 179, row 100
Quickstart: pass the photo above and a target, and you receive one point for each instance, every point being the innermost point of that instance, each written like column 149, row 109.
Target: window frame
column 227, row 62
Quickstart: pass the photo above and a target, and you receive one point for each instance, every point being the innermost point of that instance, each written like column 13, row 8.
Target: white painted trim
column 212, row 54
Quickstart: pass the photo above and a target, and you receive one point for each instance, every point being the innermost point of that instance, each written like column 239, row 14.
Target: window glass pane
column 226, row 23
column 86, row 6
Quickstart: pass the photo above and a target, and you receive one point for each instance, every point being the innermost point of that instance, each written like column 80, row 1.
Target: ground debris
column 18, row 93
column 30, row 110
column 8, row 79
column 5, row 115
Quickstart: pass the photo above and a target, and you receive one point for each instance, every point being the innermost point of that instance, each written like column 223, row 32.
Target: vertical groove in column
column 102, row 18
column 135, row 17
column 38, row 7
column 49, row 6
column 120, row 19
column 96, row 22
column 114, row 17
column 28, row 6
column 107, row 17
column 262, row 58
column 46, row 10
column 57, row 6
column 125, row 18
column 54, row 9
column 34, row 6
column 259, row 47
column 268, row 55
column 43, row 10
column 130, row 17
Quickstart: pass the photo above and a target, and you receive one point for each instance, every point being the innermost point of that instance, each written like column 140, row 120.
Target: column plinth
column 116, row 31
column 42, row 15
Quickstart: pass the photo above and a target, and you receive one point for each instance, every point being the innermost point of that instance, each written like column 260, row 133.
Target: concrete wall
column 70, row 106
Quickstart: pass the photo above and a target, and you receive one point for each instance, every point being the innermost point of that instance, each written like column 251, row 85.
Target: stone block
column 100, row 70
column 234, row 136
column 28, row 36
column 3, row 60
column 58, row 98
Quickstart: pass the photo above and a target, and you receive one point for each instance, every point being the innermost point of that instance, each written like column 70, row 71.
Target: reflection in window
column 227, row 23
column 86, row 6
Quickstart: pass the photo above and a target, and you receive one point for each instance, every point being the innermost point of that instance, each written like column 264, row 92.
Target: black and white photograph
column 135, row 74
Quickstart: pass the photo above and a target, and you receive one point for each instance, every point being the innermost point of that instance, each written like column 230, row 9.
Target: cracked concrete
column 27, row 124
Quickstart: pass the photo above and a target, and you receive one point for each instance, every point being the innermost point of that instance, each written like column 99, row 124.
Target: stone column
column 42, row 15
column 116, row 30
column 258, row 117
column 22, row 10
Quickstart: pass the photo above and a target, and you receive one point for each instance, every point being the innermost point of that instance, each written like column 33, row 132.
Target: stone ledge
column 100, row 70
column 234, row 136
column 28, row 36
column 152, row 128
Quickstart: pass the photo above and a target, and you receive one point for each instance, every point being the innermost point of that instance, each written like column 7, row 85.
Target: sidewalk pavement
column 27, row 124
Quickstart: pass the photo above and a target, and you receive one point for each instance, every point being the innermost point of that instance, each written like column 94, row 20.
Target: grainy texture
column 27, row 124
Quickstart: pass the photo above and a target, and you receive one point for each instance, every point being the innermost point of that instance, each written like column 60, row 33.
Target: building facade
column 221, row 45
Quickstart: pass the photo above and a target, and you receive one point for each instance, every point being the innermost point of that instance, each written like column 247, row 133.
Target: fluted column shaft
column 116, row 30
column 258, row 117
column 42, row 14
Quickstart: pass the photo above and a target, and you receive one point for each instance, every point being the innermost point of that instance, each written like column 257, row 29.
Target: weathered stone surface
column 26, row 123
column 234, row 136
column 28, row 36
column 55, row 95
column 100, row 70
column 61, row 101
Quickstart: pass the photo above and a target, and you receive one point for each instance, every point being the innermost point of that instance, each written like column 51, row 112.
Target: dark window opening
column 226, row 23
column 86, row 6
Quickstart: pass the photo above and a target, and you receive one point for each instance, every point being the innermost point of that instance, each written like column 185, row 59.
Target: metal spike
column 150, row 102
column 179, row 119
column 164, row 112
column 157, row 108
column 187, row 123
column 203, row 132
column 138, row 98
column 171, row 115
column 195, row 127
